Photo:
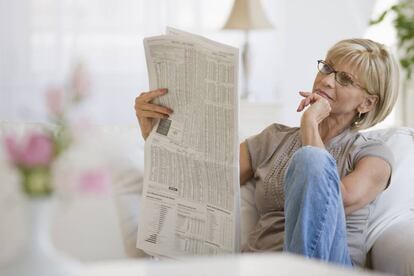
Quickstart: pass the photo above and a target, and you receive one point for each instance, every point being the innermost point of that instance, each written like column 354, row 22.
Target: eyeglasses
column 341, row 77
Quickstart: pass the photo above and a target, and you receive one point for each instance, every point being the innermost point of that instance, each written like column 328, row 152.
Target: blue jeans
column 314, row 213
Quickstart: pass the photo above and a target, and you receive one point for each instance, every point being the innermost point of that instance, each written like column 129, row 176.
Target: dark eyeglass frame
column 332, row 70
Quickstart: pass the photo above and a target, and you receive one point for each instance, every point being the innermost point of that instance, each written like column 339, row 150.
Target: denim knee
column 314, row 163
column 312, row 159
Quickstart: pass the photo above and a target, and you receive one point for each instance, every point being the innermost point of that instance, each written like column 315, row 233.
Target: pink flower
column 80, row 82
column 94, row 182
column 55, row 101
column 36, row 150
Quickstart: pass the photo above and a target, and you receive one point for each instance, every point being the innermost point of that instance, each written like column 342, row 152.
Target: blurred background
column 42, row 41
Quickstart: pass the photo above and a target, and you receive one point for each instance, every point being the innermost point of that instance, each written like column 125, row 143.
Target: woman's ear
column 368, row 104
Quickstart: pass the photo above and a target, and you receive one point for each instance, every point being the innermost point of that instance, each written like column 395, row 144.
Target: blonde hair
column 377, row 71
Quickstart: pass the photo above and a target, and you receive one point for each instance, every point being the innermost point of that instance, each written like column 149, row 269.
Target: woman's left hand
column 319, row 108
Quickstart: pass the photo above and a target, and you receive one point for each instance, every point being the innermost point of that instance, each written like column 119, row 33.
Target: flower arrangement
column 33, row 157
column 34, row 154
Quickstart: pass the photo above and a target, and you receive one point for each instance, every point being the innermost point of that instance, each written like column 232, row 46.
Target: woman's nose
column 329, row 80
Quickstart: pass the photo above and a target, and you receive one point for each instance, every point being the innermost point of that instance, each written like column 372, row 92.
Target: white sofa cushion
column 124, row 153
column 397, row 202
column 128, row 176
column 393, row 251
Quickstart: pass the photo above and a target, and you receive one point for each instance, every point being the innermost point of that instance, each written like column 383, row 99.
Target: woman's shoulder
column 363, row 139
column 364, row 145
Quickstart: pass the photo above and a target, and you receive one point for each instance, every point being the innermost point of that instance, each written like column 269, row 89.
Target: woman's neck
column 332, row 127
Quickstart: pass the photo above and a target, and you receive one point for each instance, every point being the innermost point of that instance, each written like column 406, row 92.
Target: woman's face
column 344, row 99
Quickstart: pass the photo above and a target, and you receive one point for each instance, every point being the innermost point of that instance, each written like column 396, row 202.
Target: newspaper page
column 191, row 178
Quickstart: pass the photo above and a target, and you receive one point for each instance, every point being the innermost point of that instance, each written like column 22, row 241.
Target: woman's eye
column 345, row 78
column 326, row 68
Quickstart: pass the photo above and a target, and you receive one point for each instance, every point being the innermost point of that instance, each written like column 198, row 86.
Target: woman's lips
column 323, row 94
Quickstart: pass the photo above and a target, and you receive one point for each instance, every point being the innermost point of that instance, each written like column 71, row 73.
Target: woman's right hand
column 146, row 112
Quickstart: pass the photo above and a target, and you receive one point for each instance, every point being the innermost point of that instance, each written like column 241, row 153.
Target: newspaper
column 191, row 178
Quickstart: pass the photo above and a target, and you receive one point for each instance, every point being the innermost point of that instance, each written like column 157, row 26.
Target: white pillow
column 393, row 252
column 128, row 176
column 397, row 202
column 87, row 223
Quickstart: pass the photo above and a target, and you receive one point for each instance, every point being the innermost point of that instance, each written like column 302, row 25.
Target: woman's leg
column 314, row 213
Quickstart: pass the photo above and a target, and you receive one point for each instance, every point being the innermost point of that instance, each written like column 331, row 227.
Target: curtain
column 42, row 41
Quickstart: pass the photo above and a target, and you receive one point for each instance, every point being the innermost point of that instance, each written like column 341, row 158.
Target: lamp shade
column 247, row 15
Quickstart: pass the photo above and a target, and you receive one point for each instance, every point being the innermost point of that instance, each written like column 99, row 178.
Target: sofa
column 390, row 242
column 104, row 227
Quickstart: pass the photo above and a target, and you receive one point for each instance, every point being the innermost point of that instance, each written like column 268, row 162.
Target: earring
column 358, row 122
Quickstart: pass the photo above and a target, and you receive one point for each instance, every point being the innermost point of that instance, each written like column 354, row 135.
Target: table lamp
column 246, row 15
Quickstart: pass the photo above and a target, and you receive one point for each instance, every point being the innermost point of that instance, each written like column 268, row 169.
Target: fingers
column 305, row 94
column 143, row 107
column 152, row 111
column 156, row 108
column 152, row 114
column 301, row 105
column 146, row 111
column 310, row 98
column 150, row 95
column 305, row 102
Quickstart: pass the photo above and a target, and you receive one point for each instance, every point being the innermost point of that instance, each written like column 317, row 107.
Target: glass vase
column 40, row 257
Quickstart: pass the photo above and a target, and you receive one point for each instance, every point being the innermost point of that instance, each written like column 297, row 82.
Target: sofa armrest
column 393, row 251
column 127, row 196
column 248, row 211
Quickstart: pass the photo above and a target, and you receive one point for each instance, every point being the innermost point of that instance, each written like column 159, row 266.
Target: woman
column 316, row 184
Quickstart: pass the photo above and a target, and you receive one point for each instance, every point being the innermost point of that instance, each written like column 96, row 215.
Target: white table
column 237, row 265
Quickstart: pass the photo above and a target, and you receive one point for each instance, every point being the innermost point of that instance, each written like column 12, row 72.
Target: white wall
column 283, row 59
column 310, row 28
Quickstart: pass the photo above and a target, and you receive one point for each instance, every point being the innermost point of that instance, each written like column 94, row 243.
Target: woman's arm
column 371, row 174
column 310, row 135
column 246, row 171
column 312, row 117
column 365, row 183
